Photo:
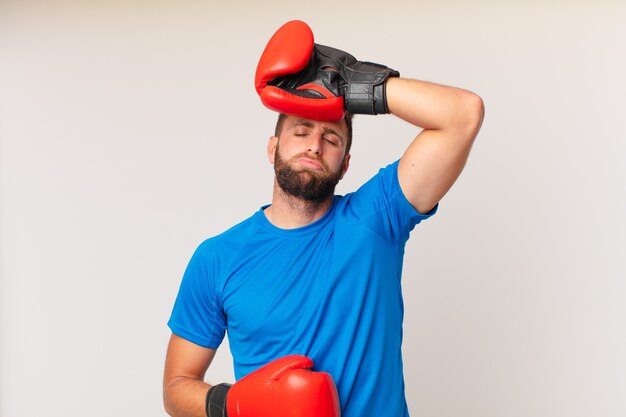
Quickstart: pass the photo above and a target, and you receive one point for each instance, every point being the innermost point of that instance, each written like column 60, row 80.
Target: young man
column 313, row 273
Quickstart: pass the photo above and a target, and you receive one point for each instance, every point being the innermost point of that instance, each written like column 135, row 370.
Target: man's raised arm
column 450, row 118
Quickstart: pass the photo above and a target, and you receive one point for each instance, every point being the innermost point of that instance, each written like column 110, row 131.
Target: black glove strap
column 365, row 98
column 216, row 400
column 366, row 92
column 363, row 83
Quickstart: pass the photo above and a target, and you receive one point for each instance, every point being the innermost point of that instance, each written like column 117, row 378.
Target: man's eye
column 331, row 140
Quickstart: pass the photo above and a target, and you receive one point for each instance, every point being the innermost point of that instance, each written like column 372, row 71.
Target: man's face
column 309, row 157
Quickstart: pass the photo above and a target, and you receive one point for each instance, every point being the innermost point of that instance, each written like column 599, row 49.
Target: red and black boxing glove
column 286, row 387
column 299, row 77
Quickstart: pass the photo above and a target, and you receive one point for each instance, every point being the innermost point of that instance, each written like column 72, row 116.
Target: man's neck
column 289, row 212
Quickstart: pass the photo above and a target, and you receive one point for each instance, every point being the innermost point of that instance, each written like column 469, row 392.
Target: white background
column 130, row 132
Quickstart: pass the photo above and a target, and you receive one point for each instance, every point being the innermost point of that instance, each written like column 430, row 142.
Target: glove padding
column 298, row 77
column 286, row 387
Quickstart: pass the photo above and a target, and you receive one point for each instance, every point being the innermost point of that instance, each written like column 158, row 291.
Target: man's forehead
column 339, row 125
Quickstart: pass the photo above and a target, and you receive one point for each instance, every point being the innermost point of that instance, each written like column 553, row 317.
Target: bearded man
column 314, row 279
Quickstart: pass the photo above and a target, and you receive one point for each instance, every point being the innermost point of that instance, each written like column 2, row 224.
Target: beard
column 306, row 184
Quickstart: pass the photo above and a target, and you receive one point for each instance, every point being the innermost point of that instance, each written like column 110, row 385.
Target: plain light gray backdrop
column 130, row 132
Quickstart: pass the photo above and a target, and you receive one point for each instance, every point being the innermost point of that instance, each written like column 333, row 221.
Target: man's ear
column 271, row 148
column 345, row 165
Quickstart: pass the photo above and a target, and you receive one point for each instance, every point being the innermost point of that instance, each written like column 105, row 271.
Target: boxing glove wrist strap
column 368, row 95
column 216, row 400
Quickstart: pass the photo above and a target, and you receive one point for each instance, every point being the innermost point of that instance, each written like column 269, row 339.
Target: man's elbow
column 167, row 404
column 474, row 113
column 168, row 400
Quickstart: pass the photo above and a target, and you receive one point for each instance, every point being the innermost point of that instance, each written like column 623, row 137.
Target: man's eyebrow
column 302, row 122
column 334, row 132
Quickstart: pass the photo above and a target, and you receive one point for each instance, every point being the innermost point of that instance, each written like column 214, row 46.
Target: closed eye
column 301, row 131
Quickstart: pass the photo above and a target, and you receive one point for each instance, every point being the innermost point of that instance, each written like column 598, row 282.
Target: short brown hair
column 348, row 117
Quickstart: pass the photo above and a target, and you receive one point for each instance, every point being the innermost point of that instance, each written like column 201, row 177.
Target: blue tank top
column 330, row 290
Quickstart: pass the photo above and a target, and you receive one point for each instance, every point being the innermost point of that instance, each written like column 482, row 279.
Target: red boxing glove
column 289, row 52
column 286, row 387
column 299, row 77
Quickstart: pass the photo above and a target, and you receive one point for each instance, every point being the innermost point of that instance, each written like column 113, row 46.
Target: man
column 313, row 273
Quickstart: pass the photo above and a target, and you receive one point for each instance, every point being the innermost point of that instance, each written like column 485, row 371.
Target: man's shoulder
column 380, row 183
column 232, row 237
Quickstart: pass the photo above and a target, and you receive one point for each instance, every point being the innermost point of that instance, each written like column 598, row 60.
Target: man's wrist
column 215, row 404
column 366, row 91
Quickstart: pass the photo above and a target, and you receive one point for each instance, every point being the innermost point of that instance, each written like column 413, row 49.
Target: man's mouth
column 311, row 164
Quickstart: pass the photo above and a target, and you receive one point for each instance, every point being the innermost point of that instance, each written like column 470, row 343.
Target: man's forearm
column 185, row 397
column 434, row 106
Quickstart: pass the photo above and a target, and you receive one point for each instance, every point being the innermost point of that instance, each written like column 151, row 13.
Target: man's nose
column 315, row 143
